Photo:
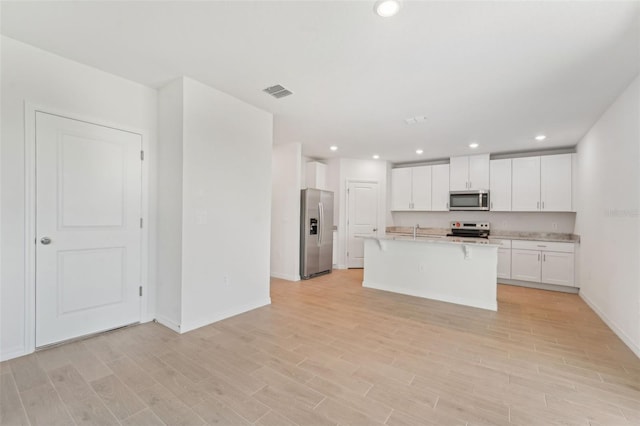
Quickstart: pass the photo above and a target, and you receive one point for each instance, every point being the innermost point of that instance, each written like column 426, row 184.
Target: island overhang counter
column 454, row 270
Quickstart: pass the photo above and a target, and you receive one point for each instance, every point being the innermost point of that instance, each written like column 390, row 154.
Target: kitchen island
column 455, row 270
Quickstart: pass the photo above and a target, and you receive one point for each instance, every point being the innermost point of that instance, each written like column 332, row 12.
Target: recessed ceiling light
column 473, row 145
column 387, row 8
column 419, row 151
column 376, row 156
column 540, row 137
column 333, row 148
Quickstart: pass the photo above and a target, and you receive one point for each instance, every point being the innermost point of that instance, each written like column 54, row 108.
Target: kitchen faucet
column 415, row 230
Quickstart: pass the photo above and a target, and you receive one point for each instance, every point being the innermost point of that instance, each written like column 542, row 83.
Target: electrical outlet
column 225, row 280
column 554, row 226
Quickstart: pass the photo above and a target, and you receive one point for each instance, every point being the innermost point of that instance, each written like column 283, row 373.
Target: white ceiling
column 497, row 73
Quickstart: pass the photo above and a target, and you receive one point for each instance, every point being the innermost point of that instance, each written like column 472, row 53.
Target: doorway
column 88, row 228
column 362, row 219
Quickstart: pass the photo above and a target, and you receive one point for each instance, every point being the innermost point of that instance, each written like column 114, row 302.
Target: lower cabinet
column 504, row 258
column 543, row 262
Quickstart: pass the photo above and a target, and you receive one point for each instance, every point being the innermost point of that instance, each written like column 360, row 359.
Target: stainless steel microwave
column 469, row 200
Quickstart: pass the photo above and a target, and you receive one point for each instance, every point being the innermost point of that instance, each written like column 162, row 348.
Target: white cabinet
column 411, row 188
column 421, row 188
column 525, row 184
column 469, row 172
column 440, row 187
column 500, row 185
column 504, row 258
column 542, row 183
column 316, row 175
column 555, row 183
column 401, row 196
column 549, row 263
column 525, row 265
column 558, row 268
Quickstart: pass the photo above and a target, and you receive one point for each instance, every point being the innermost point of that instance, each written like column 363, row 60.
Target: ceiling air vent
column 277, row 91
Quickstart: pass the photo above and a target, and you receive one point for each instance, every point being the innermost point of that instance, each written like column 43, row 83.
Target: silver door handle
column 470, row 185
column 538, row 257
column 447, row 206
column 320, row 223
column 538, row 205
column 45, row 240
column 544, row 257
column 492, row 205
column 543, row 205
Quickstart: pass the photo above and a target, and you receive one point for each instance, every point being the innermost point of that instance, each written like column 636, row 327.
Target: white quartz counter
column 455, row 270
column 435, row 239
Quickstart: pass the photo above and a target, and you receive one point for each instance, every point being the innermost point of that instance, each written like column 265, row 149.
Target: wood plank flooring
column 329, row 352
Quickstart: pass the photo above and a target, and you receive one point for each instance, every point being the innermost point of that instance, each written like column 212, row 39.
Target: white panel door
column 440, row 187
column 401, row 189
column 525, row 184
column 479, row 171
column 362, row 219
column 555, row 183
column 500, row 185
column 459, row 173
column 557, row 268
column 525, row 265
column 421, row 184
column 88, row 194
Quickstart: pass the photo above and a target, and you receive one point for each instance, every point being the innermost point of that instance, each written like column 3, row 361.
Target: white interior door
column 362, row 219
column 88, row 245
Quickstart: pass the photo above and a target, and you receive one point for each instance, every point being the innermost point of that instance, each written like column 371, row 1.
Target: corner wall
column 287, row 174
column 47, row 80
column 608, row 218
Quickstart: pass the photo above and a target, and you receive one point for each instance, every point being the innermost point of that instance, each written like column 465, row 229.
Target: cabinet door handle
column 538, row 257
column 544, row 257
column 447, row 206
column 470, row 185
column 492, row 205
column 538, row 205
column 543, row 205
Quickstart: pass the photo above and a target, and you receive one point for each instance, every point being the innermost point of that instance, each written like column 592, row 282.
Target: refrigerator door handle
column 321, row 223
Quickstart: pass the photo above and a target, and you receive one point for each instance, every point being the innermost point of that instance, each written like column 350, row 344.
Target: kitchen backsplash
column 508, row 221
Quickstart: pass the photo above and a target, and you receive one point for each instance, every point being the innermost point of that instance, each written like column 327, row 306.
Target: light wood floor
column 329, row 352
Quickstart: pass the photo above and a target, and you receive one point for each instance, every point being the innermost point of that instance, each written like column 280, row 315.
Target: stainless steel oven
column 469, row 200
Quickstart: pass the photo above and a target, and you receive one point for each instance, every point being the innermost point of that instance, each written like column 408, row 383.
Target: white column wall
column 285, row 211
column 226, row 206
column 608, row 218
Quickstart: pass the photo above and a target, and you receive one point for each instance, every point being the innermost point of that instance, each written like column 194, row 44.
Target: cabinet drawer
column 543, row 246
column 504, row 244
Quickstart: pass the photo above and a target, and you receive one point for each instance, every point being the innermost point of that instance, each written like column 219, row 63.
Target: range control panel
column 470, row 225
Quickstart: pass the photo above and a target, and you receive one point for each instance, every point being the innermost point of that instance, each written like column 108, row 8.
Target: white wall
column 33, row 75
column 500, row 221
column 285, row 211
column 339, row 172
column 170, row 161
column 226, row 205
column 608, row 219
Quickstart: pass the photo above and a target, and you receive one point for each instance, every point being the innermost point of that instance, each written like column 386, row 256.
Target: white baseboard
column 491, row 305
column 612, row 325
column 15, row 352
column 217, row 316
column 540, row 286
column 168, row 323
column 287, row 277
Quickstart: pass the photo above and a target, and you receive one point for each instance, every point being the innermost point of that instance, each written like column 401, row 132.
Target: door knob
column 45, row 240
column 375, row 229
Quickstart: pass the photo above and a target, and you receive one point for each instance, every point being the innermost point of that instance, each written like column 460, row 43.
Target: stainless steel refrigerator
column 316, row 233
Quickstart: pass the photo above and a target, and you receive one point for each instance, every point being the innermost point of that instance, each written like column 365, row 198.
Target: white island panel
column 460, row 273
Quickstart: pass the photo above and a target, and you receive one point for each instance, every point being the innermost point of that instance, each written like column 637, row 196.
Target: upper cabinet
column 542, row 183
column 440, row 187
column 316, row 175
column 555, row 183
column 525, row 184
column 411, row 188
column 500, row 185
column 469, row 172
